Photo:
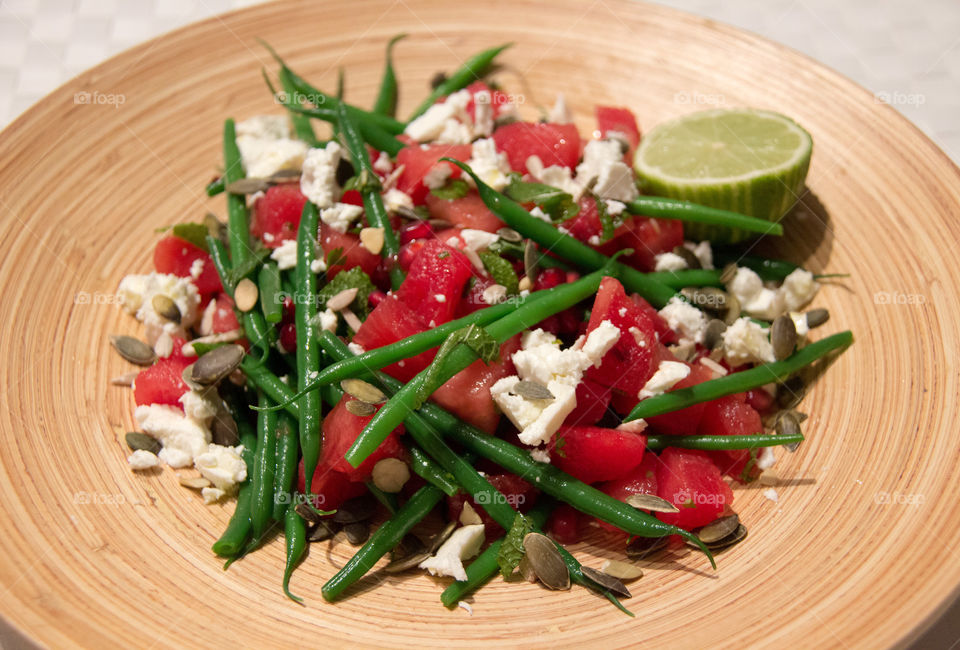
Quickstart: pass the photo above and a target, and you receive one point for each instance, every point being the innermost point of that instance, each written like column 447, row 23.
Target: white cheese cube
column 463, row 544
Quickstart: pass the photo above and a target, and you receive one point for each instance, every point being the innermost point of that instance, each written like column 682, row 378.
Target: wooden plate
column 860, row 549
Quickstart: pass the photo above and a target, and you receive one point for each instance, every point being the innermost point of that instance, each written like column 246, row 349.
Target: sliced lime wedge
column 745, row 160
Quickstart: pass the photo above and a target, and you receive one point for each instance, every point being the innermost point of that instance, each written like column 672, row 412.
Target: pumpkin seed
column 409, row 553
column 732, row 313
column 307, row 513
column 729, row 273
column 530, row 257
column 509, row 234
column 223, row 430
column 717, row 530
column 650, row 502
column 194, row 482
column 321, row 531
column 187, row 376
column 525, row 284
column 363, row 391
column 441, row 537
column 643, row 547
column 357, row 509
column 342, row 300
column 166, row 308
column 133, row 350
column 793, row 390
column 692, row 261
column 372, row 239
column 436, row 224
column 787, row 424
column 217, row 364
column 437, row 80
column 546, row 561
column 284, row 176
column 622, row 570
column 532, row 390
column 733, row 538
column 713, row 335
column 817, row 317
column 360, row 409
column 357, row 532
column 406, row 562
column 246, row 294
column 125, row 379
column 248, row 186
column 137, row 441
column 390, row 475
column 606, row 581
column 526, row 570
column 783, row 336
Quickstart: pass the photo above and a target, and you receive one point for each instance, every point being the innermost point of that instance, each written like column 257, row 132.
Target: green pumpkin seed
column 284, row 176
column 530, row 258
column 713, row 335
column 817, row 317
column 729, row 273
column 509, row 234
column 783, row 336
column 650, row 502
column 532, row 390
column 217, row 364
column 622, row 570
column 247, row 186
column 546, row 561
column 194, row 482
column 643, row 547
column 717, row 530
column 691, row 260
column 360, row 409
column 791, row 392
column 732, row 312
column 441, row 537
column 409, row 553
column 166, row 308
column 357, row 509
column 133, row 350
column 733, row 538
column 321, row 530
column 363, row 391
column 606, row 581
column 137, row 441
column 223, row 430
column 357, row 533
column 526, row 570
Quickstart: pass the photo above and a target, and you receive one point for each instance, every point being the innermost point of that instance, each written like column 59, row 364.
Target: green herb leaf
column 511, row 550
column 349, row 279
column 558, row 446
column 556, row 203
column 250, row 265
column 334, row 257
column 363, row 182
column 607, row 220
column 501, row 271
column 474, row 337
column 202, row 348
column 195, row 233
column 456, row 188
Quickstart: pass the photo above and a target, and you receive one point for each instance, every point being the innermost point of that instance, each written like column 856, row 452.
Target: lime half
column 745, row 160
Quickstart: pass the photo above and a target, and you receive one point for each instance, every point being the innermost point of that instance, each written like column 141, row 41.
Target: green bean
column 238, row 228
column 268, row 282
column 254, row 325
column 720, row 443
column 396, row 409
column 427, row 469
column 414, row 345
column 547, row 478
column 386, row 103
column 264, row 461
column 301, row 124
column 664, row 208
column 376, row 214
column 270, row 384
column 375, row 135
column 563, row 245
column 383, row 540
column 386, row 499
column 739, row 382
column 295, row 534
column 485, row 566
column 768, row 270
column 285, row 466
column 308, row 354
column 216, row 186
column 472, row 70
column 232, row 540
column 687, row 278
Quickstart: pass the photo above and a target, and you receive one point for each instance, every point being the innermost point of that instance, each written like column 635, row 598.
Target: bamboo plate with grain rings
column 859, row 551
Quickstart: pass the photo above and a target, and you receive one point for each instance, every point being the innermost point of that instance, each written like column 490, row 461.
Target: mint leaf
column 474, row 337
column 249, row 266
column 195, row 233
column 608, row 222
column 511, row 550
column 454, row 189
column 349, row 279
column 556, row 203
column 501, row 271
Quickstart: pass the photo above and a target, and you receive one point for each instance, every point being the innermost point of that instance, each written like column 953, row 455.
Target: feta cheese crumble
column 746, row 342
column 669, row 262
column 285, row 255
column 183, row 438
column 136, row 294
column 394, row 200
column 668, row 374
column 462, row 545
column 798, row 289
column 603, row 164
column 686, row 319
column 435, row 122
column 489, row 164
column 319, row 180
column 478, row 240
column 142, row 459
column 266, row 146
column 223, row 466
column 340, row 216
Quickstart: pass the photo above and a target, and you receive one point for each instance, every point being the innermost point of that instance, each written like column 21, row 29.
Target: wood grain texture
column 85, row 185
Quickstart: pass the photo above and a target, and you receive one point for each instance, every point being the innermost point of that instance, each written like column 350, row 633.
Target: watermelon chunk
column 733, row 416
column 554, row 144
column 340, row 430
column 329, row 487
column 564, row 524
column 468, row 211
column 417, row 160
column 276, row 214
column 390, row 321
column 622, row 122
column 177, row 256
column 162, row 382
column 435, row 283
column 685, row 421
column 688, row 479
column 594, row 454
column 352, row 252
column 642, row 479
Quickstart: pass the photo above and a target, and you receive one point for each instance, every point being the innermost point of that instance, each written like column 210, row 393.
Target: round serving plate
column 859, row 551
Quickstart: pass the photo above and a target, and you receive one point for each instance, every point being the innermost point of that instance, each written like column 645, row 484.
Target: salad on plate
column 470, row 315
